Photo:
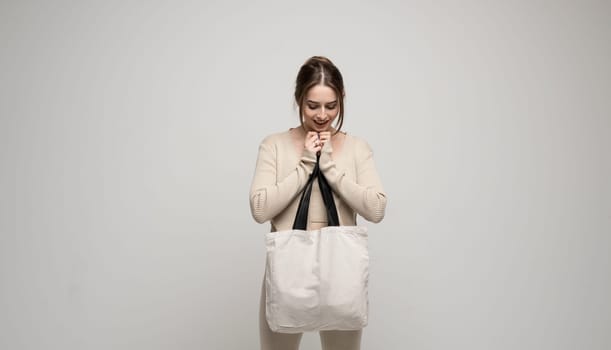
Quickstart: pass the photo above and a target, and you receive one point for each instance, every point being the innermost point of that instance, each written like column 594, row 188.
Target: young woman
column 286, row 160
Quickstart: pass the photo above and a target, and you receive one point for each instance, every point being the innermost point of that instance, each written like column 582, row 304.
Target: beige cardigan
column 281, row 174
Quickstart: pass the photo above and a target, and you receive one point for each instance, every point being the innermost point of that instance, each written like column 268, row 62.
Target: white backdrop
column 129, row 134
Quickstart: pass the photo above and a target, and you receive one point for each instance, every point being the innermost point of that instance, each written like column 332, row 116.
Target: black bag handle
column 327, row 197
column 301, row 218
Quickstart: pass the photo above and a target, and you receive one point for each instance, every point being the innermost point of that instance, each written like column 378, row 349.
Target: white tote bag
column 317, row 280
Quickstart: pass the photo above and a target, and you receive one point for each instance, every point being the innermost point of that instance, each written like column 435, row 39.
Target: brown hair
column 319, row 70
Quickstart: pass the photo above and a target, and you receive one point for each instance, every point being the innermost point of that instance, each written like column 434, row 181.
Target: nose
column 323, row 113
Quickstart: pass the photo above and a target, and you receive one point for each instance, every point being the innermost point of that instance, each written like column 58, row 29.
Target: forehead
column 321, row 94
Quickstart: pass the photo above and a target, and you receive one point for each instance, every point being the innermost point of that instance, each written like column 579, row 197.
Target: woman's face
column 320, row 108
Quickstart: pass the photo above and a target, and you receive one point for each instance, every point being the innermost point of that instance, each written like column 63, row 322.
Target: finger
column 310, row 140
column 313, row 144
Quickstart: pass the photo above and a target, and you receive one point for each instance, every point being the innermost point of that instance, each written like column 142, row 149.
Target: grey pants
column 330, row 340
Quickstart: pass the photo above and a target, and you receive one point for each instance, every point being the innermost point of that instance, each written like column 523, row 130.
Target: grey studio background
column 130, row 129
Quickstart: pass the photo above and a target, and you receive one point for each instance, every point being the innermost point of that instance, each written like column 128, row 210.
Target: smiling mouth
column 321, row 123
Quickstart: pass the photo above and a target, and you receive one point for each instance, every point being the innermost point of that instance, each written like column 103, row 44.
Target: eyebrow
column 310, row 101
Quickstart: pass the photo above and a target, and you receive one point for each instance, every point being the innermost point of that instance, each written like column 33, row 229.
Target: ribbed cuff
column 308, row 158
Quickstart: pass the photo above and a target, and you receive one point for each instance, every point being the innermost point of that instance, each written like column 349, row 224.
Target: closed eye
column 314, row 104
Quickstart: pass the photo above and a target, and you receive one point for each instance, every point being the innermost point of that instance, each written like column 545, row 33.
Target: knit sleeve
column 365, row 195
column 270, row 195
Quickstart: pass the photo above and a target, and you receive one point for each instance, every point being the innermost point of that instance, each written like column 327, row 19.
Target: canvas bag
column 317, row 280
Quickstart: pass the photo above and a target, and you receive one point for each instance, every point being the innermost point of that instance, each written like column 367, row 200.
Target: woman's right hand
column 312, row 143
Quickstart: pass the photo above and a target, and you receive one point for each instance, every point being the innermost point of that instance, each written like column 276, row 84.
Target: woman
column 286, row 160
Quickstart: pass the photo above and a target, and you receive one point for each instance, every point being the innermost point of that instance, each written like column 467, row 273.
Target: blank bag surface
column 317, row 279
